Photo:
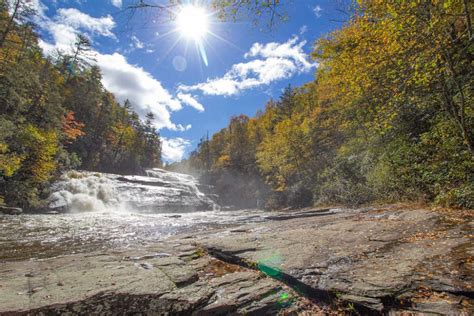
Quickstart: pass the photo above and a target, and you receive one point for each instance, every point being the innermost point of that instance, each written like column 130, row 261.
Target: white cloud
column 191, row 101
column 136, row 43
column 67, row 23
column 303, row 29
column 291, row 50
column 124, row 80
column 276, row 61
column 131, row 82
column 182, row 128
column 35, row 5
column 117, row 3
column 63, row 35
column 317, row 10
column 173, row 149
column 80, row 21
column 218, row 86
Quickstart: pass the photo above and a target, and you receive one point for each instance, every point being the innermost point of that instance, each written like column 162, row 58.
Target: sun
column 193, row 22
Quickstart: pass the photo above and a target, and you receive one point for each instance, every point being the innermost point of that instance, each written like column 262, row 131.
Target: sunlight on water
column 39, row 236
column 95, row 211
column 100, row 211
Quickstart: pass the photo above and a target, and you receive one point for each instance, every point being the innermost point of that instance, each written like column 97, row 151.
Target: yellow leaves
column 9, row 162
column 222, row 162
column 376, row 61
column 40, row 149
column 280, row 156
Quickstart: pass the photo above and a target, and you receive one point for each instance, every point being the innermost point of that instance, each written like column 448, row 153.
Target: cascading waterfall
column 160, row 191
column 90, row 211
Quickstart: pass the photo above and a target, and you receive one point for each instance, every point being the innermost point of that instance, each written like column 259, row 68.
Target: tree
column 287, row 103
column 55, row 115
column 81, row 56
column 269, row 11
column 389, row 117
column 21, row 12
column 152, row 156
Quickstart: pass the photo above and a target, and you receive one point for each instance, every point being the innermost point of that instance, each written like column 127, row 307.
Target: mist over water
column 158, row 192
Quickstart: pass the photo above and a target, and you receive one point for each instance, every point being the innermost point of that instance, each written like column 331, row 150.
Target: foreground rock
column 147, row 281
column 379, row 260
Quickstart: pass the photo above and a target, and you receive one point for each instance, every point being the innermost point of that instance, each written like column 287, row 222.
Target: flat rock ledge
column 372, row 261
column 377, row 261
column 147, row 281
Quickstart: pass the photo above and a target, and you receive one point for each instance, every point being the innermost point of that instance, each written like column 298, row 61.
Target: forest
column 55, row 115
column 389, row 117
column 328, row 165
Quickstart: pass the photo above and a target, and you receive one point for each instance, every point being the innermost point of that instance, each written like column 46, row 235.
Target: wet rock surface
column 379, row 261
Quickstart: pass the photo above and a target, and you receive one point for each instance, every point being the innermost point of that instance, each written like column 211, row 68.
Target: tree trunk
column 10, row 23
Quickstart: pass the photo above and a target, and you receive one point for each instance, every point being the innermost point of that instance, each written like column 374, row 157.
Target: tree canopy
column 389, row 117
column 55, row 115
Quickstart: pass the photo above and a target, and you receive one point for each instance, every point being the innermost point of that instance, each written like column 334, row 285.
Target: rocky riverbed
column 373, row 260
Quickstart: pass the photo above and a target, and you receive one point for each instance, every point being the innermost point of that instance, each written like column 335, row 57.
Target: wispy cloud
column 273, row 62
column 117, row 3
column 81, row 21
column 124, row 80
column 303, row 29
column 35, row 5
column 67, row 23
column 137, row 43
column 174, row 148
column 191, row 101
column 317, row 10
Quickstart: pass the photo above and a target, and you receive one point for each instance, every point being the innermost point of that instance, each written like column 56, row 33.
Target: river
column 94, row 211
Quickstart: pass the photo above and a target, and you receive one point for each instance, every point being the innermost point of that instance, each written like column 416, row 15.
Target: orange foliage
column 71, row 128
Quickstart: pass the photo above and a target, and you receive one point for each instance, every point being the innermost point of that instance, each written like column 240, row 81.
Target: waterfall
column 160, row 191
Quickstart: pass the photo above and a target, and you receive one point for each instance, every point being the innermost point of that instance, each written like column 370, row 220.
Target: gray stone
column 6, row 210
column 372, row 258
column 125, row 282
column 382, row 261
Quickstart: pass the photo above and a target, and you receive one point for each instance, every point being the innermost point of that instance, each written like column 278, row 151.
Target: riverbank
column 374, row 260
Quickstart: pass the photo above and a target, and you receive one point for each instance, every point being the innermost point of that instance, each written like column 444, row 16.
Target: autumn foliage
column 71, row 128
column 389, row 117
column 53, row 119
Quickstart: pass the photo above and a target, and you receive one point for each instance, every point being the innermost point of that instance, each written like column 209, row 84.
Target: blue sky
column 147, row 61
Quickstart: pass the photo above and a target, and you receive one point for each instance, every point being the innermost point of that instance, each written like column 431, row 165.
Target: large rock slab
column 173, row 279
column 381, row 260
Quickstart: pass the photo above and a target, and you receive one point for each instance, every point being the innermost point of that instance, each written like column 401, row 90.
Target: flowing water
column 94, row 211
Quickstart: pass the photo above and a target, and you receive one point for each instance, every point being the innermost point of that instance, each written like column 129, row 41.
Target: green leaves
column 390, row 116
column 55, row 114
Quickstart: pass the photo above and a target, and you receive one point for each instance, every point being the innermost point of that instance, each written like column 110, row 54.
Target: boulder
column 6, row 210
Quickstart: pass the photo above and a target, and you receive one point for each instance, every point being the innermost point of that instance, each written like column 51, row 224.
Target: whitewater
column 90, row 210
